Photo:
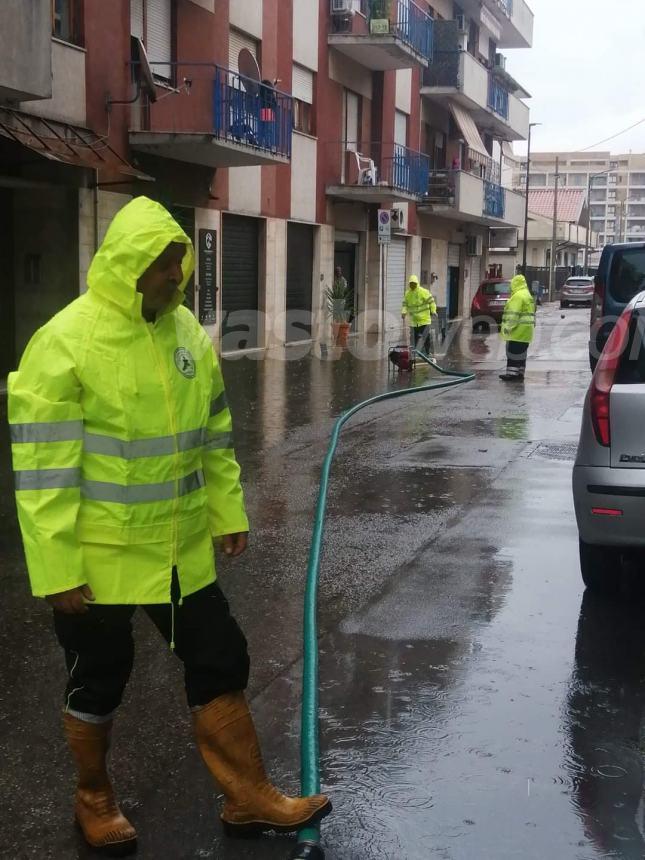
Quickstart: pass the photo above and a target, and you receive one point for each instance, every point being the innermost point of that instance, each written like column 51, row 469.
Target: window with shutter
column 302, row 89
column 236, row 41
column 151, row 21
column 159, row 36
column 136, row 19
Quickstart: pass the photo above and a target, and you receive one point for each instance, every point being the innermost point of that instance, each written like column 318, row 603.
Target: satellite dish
column 143, row 72
column 249, row 69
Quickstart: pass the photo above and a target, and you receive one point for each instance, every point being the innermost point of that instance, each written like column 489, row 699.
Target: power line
column 618, row 134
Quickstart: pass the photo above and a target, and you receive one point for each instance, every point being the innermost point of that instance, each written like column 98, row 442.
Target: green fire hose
column 308, row 847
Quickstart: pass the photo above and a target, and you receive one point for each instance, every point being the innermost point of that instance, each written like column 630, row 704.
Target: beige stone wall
column 91, row 231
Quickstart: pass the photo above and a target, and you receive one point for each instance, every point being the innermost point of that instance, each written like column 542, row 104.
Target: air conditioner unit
column 474, row 246
column 341, row 7
column 462, row 23
column 397, row 220
column 500, row 61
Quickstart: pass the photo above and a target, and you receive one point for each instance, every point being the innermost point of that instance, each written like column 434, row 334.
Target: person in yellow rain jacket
column 124, row 474
column 518, row 327
column 419, row 305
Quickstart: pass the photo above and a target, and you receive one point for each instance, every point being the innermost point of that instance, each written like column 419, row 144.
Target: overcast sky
column 586, row 73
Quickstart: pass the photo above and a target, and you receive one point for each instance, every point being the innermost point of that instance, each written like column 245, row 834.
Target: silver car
column 577, row 291
column 609, row 471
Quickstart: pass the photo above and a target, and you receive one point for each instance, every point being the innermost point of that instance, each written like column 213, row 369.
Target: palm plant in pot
column 338, row 303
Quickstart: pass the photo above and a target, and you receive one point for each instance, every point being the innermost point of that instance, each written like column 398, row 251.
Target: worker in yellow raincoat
column 419, row 306
column 124, row 473
column 518, row 327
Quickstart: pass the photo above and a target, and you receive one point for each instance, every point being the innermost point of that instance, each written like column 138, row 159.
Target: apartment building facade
column 614, row 184
column 274, row 130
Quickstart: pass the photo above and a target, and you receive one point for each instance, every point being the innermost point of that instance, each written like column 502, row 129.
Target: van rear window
column 627, row 274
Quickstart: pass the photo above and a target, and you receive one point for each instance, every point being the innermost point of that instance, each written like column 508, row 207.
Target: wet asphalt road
column 473, row 703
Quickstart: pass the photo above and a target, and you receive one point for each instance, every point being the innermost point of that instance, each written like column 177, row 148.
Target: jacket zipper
column 173, row 429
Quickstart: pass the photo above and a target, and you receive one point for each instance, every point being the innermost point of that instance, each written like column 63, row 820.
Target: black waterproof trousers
column 99, row 649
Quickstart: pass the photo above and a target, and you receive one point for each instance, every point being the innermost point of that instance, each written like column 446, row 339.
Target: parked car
column 577, row 291
column 609, row 471
column 620, row 276
column 489, row 301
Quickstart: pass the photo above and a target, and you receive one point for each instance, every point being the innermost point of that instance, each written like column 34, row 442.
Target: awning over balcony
column 65, row 143
column 469, row 130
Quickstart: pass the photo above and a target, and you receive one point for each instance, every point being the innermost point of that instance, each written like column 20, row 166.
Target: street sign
column 384, row 226
column 207, row 271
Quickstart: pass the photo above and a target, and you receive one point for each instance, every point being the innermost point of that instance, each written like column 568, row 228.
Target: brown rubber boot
column 229, row 745
column 104, row 826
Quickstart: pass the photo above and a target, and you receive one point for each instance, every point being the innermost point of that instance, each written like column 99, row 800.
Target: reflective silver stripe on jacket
column 215, row 441
column 102, row 491
column 218, row 404
column 47, row 479
column 47, row 431
column 154, row 447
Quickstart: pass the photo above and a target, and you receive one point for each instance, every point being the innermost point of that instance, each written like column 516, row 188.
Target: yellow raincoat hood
column 139, row 233
column 518, row 283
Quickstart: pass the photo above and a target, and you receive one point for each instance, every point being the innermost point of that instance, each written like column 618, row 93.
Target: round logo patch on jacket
column 185, row 362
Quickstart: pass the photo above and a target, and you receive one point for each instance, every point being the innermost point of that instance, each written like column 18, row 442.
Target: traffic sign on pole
column 384, row 226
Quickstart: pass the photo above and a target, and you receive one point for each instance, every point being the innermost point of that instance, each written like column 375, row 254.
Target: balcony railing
column 389, row 168
column 493, row 200
column 250, row 113
column 407, row 170
column 497, row 97
column 413, row 26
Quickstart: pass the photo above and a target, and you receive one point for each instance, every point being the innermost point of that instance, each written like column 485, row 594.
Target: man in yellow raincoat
column 518, row 326
column 124, row 474
column 419, row 305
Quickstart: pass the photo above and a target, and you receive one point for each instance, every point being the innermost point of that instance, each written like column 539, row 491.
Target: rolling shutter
column 401, row 128
column 395, row 282
column 159, row 34
column 300, row 260
column 302, row 86
column 454, row 253
column 352, row 106
column 237, row 41
column 240, row 281
column 136, row 19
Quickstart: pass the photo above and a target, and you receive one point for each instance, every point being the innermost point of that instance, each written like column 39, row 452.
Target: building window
column 537, row 180
column 302, row 89
column 578, row 179
column 67, row 21
column 152, row 22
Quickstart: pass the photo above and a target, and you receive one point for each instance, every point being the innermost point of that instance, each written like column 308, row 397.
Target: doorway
column 453, row 292
column 345, row 257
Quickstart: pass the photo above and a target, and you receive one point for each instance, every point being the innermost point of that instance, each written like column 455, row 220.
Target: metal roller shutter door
column 454, row 252
column 240, row 278
column 300, row 258
column 395, row 282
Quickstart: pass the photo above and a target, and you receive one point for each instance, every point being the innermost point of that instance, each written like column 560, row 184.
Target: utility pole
column 588, row 239
column 554, row 237
column 526, row 201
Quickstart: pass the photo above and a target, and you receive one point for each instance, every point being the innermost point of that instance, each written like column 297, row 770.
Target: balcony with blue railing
column 375, row 172
column 497, row 97
column 381, row 34
column 228, row 121
column 493, row 200
column 252, row 114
